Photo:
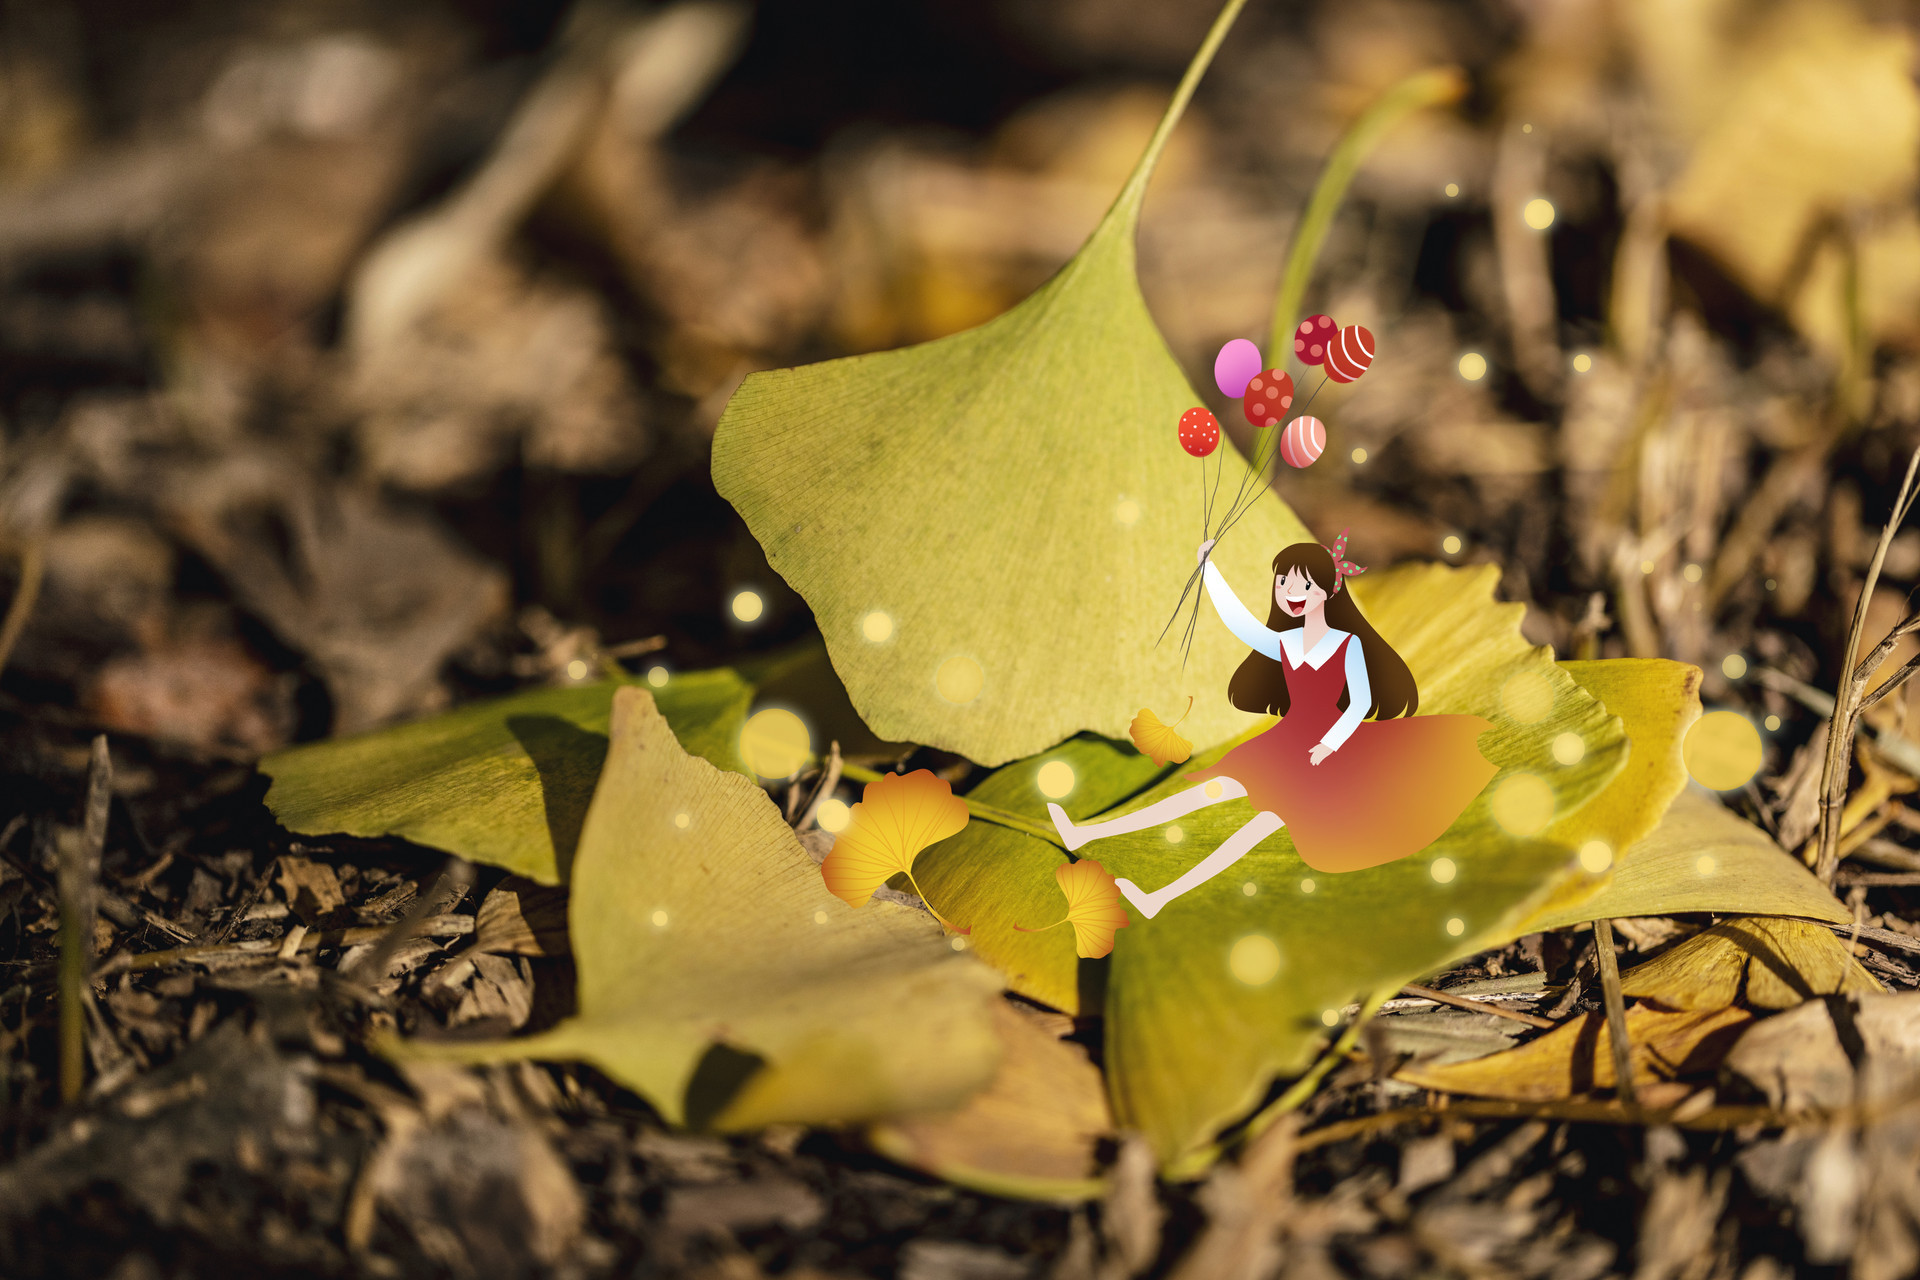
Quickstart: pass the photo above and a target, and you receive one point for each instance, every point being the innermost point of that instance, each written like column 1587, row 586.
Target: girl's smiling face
column 1297, row 594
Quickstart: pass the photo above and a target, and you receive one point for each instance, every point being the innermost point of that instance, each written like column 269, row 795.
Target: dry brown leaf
column 313, row 891
column 523, row 918
column 1575, row 1058
column 1763, row 962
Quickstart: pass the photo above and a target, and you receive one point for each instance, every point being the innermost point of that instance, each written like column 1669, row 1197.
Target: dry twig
column 1609, row 966
column 1478, row 1006
column 1847, row 706
column 79, row 877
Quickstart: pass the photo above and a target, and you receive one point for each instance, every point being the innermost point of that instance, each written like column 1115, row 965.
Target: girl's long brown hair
column 1261, row 683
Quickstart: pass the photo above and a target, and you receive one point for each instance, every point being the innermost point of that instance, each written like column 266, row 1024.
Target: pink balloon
column 1235, row 367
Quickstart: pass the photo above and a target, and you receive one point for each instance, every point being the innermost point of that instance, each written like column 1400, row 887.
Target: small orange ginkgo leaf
column 897, row 816
column 1093, row 907
column 1159, row 741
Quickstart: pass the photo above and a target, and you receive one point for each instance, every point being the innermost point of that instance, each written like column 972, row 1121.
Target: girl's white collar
column 1291, row 640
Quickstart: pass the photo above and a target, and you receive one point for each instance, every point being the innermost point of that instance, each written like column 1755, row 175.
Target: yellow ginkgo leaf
column 1158, row 740
column 897, row 817
column 1093, row 907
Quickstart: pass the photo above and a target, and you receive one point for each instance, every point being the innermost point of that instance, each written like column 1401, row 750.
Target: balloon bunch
column 1343, row 354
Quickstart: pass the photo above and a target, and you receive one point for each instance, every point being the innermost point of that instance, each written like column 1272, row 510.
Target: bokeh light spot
column 1451, row 544
column 1706, row 865
column 1582, row 363
column 1214, row 788
column 747, row 606
column 1175, row 835
column 1538, row 214
column 1522, row 804
column 1359, row 455
column 775, row 743
column 1330, row 1018
column 1442, row 870
column 1127, row 512
column 682, row 820
column 1473, row 366
column 819, row 917
column 1596, row 856
column 658, row 677
column 1254, row 960
column 1527, row 697
column 1692, row 573
column 1733, row 666
column 1249, row 888
column 1306, row 885
column 833, row 815
column 1773, row 724
column 577, row 670
column 1452, row 189
column 877, row 627
column 1456, row 926
column 659, row 919
column 1722, row 750
column 959, row 679
column 1569, row 748
column 1055, row 779
column 958, row 944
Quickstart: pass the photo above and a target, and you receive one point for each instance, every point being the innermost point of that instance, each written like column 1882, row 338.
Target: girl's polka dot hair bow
column 1343, row 568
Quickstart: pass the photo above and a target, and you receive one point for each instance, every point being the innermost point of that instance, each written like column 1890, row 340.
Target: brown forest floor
column 254, row 500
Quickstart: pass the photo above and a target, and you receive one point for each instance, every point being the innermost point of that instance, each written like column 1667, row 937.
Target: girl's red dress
column 1390, row 790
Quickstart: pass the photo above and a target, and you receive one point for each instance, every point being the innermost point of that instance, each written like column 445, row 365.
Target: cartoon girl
column 1355, row 794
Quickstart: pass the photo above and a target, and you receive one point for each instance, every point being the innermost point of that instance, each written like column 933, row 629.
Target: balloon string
column 1236, row 511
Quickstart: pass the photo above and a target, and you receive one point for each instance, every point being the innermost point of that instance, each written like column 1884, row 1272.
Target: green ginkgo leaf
column 718, row 977
column 506, row 781
column 992, row 528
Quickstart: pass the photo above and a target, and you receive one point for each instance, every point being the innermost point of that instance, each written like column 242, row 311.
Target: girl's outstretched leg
column 1174, row 806
column 1231, row 850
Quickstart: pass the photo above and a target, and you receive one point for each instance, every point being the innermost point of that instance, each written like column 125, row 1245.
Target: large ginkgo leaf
column 992, row 528
column 700, row 926
column 1700, row 858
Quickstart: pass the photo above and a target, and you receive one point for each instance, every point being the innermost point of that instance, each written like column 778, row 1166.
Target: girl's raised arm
column 1242, row 623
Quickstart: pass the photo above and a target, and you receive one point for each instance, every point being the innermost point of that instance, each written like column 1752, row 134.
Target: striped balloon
column 1349, row 355
column 1303, row 441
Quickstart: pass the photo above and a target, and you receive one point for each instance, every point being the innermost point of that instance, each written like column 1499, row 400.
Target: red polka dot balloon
column 1199, row 432
column 1350, row 354
column 1303, row 441
column 1269, row 395
column 1313, row 337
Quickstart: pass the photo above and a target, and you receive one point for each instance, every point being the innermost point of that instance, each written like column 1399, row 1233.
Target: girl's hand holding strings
column 1200, row 557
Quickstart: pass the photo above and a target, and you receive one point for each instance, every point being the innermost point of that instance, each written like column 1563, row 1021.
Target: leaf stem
column 1043, row 928
column 1434, row 87
column 1125, row 210
column 951, row 927
column 977, row 809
